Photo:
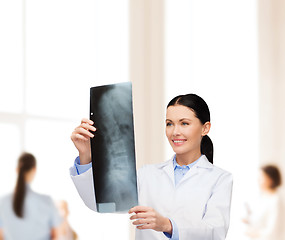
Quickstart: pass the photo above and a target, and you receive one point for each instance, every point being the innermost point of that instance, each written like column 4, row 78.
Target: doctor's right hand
column 81, row 139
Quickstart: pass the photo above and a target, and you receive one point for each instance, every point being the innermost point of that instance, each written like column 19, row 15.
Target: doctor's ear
column 206, row 128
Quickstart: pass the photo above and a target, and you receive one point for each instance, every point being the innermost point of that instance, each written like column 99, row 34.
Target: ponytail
column 19, row 194
column 26, row 162
column 207, row 148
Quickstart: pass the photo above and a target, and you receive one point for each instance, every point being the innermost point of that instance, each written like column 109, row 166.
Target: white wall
column 272, row 85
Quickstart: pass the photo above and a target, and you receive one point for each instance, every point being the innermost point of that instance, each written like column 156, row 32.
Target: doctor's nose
column 176, row 131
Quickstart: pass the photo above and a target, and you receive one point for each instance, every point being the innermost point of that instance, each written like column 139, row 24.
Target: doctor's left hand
column 148, row 218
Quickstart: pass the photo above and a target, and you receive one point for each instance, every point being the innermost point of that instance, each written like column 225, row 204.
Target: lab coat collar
column 202, row 163
column 169, row 169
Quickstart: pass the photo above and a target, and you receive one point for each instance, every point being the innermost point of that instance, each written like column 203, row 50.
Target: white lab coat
column 199, row 204
column 265, row 220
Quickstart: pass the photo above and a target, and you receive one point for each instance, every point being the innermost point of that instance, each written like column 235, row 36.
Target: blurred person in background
column 65, row 231
column 25, row 214
column 263, row 220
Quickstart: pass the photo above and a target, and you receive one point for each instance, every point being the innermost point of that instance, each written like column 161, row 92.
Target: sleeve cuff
column 174, row 235
column 79, row 169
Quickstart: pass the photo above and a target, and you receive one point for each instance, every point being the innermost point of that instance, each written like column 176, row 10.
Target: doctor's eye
column 185, row 123
column 169, row 124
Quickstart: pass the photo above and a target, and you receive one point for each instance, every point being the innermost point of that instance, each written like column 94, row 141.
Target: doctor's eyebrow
column 182, row 119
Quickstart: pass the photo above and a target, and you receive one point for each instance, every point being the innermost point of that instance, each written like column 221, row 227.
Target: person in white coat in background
column 264, row 217
column 186, row 197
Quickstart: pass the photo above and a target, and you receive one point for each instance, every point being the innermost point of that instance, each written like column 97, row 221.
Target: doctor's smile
column 178, row 142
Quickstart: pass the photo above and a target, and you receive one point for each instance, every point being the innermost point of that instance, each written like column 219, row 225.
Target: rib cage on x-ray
column 113, row 148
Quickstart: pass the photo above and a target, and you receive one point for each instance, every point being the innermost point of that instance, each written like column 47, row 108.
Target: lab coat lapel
column 202, row 163
column 167, row 167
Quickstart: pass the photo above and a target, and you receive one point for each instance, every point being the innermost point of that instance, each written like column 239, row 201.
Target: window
column 52, row 52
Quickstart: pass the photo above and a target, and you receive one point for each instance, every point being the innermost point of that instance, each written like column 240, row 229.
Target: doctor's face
column 184, row 130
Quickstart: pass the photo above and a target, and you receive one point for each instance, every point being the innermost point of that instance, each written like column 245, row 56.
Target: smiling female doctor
column 185, row 198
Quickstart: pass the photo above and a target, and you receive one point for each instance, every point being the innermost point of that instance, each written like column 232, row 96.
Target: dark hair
column 274, row 174
column 26, row 162
column 202, row 112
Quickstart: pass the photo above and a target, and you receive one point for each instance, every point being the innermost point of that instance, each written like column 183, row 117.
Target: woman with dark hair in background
column 25, row 214
column 264, row 217
column 184, row 198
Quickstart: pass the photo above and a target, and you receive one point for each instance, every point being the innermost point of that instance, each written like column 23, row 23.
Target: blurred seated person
column 263, row 217
column 25, row 214
column 65, row 231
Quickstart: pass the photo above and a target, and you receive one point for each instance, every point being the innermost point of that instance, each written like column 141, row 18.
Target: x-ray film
column 113, row 148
